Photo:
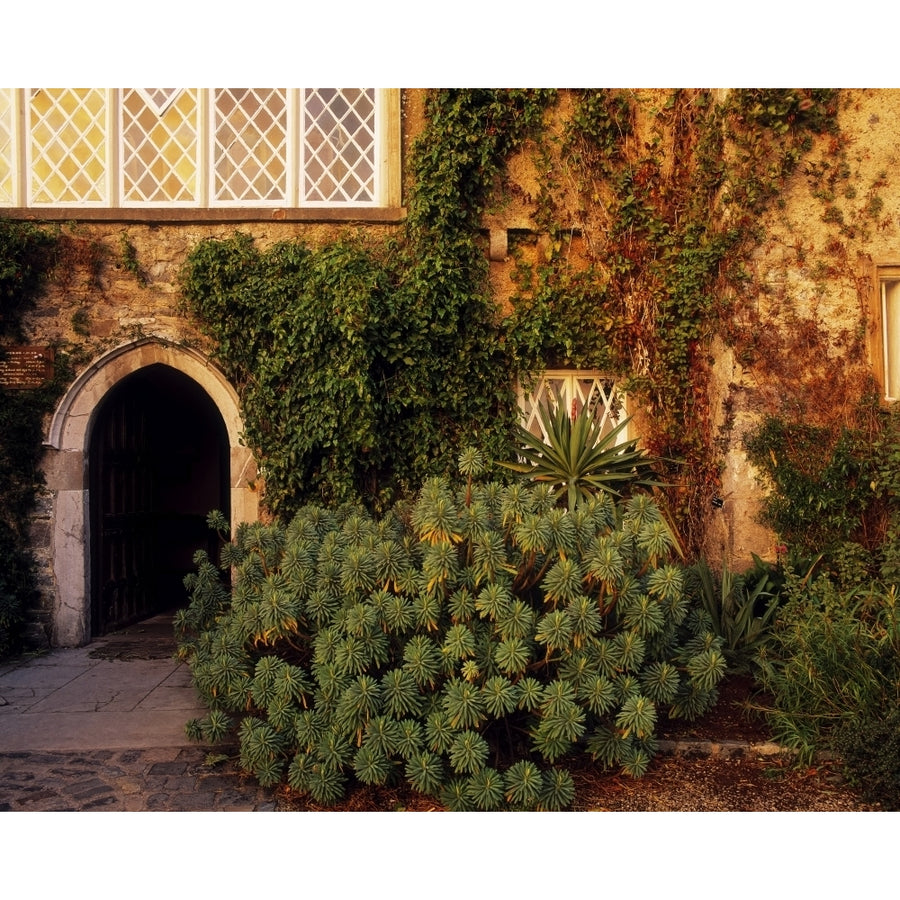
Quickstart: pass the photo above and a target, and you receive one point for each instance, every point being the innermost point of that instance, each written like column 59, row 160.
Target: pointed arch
column 66, row 467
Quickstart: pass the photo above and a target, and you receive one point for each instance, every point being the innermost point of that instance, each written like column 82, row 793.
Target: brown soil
column 733, row 718
column 711, row 767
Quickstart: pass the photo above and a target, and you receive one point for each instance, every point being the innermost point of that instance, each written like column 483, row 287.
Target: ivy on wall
column 827, row 449
column 663, row 195
column 825, row 484
column 364, row 368
column 26, row 254
column 307, row 339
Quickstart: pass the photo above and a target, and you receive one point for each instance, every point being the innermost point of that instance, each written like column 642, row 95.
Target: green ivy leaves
column 361, row 367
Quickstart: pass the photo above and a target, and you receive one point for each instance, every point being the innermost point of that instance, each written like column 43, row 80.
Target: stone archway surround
column 66, row 469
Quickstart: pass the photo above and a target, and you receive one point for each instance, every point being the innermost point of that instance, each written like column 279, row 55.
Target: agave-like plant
column 578, row 458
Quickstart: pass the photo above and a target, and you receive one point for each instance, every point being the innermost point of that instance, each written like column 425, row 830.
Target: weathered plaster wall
column 809, row 284
column 799, row 345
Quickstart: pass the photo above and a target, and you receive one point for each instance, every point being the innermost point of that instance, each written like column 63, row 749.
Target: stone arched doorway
column 149, row 409
column 157, row 464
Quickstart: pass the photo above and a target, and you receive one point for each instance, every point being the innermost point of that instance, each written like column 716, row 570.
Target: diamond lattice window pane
column 575, row 391
column 339, row 145
column 159, row 146
column 7, row 148
column 250, row 145
column 68, row 145
column 159, row 99
column 598, row 395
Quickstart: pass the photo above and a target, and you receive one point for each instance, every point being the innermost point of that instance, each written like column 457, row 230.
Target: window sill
column 193, row 215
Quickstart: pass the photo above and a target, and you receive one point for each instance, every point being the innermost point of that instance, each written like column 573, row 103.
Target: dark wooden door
column 158, row 465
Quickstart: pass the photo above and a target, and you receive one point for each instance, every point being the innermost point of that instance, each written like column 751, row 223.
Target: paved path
column 161, row 779
column 102, row 727
column 93, row 728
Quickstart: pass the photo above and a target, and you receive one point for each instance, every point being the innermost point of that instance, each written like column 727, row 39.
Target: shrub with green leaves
column 470, row 643
column 26, row 253
column 832, row 664
column 870, row 751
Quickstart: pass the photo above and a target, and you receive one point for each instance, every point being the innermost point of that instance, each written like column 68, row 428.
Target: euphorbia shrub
column 469, row 643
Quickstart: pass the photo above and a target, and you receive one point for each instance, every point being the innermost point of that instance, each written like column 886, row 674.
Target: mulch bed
column 674, row 783
column 731, row 719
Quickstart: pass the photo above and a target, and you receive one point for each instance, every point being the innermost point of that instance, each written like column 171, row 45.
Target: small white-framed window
column 889, row 320
column 209, row 147
column 160, row 151
column 577, row 391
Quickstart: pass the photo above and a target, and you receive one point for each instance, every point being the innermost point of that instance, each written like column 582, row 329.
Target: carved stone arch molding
column 65, row 466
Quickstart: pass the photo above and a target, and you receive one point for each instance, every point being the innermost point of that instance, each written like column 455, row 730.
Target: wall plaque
column 25, row 368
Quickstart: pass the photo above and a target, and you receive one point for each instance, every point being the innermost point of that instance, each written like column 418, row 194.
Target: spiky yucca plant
column 579, row 459
column 470, row 647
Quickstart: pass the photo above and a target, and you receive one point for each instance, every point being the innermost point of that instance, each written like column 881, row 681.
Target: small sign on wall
column 25, row 368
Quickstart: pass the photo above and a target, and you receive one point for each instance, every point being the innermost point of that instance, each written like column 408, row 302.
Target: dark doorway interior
column 158, row 465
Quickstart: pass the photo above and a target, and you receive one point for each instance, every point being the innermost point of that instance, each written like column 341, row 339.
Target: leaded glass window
column 68, row 146
column 160, row 145
column 250, row 146
column 133, row 147
column 339, row 145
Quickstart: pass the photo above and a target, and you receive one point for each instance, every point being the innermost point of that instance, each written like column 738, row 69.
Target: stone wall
column 96, row 299
column 811, row 281
column 800, row 343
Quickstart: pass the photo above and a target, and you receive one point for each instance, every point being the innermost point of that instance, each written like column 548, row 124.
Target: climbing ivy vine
column 26, row 253
column 364, row 367
column 651, row 203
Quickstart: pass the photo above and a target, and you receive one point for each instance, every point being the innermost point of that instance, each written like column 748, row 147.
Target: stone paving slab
column 156, row 779
column 72, row 731
column 113, row 705
column 85, row 729
column 106, row 686
column 23, row 687
column 66, row 700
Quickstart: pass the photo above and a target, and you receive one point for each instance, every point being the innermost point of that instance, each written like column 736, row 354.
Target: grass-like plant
column 833, row 663
column 469, row 645
column 740, row 612
column 578, row 459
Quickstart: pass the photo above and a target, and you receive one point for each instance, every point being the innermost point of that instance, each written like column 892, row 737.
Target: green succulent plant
column 579, row 459
column 474, row 662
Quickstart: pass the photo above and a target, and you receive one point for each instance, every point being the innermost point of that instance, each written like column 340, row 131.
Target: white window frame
column 886, row 345
column 614, row 412
column 386, row 176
